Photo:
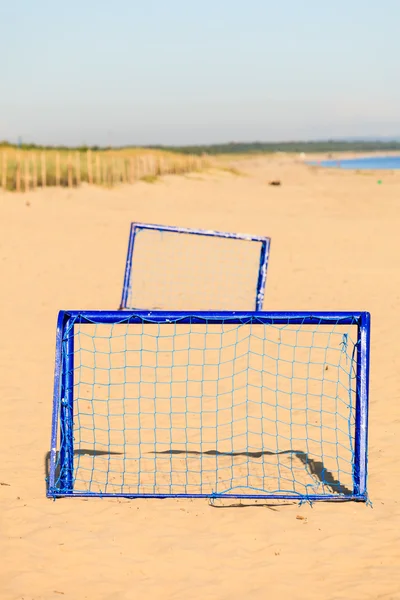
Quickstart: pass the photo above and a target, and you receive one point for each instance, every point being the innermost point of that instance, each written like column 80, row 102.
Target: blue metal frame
column 262, row 270
column 362, row 394
column 67, row 412
column 61, row 483
column 57, row 395
column 63, row 408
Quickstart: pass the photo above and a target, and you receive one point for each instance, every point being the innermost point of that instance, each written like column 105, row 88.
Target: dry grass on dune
column 23, row 170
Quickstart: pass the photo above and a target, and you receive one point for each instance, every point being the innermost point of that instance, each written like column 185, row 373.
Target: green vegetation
column 289, row 147
column 31, row 146
column 232, row 171
column 149, row 178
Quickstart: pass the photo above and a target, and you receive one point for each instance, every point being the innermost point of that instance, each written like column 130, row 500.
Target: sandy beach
column 335, row 246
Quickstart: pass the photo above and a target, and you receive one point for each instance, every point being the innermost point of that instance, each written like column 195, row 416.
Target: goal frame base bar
column 63, row 407
column 277, row 497
column 262, row 269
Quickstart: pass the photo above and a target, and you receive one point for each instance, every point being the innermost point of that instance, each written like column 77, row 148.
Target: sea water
column 370, row 162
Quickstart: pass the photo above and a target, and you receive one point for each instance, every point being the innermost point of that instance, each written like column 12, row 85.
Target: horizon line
column 369, row 140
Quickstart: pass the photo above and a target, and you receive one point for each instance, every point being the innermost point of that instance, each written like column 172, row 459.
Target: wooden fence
column 25, row 170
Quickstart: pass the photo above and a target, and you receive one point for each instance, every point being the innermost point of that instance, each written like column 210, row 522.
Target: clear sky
column 198, row 71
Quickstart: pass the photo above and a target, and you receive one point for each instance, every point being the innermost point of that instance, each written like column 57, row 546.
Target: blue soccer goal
column 243, row 405
column 175, row 268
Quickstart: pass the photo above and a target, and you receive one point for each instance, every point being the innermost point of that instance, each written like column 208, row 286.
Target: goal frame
column 263, row 262
column 62, row 442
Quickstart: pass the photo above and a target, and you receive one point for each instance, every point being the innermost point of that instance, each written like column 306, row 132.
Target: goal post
column 265, row 405
column 193, row 269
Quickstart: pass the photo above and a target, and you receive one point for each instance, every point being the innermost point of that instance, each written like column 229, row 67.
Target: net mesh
column 206, row 408
column 183, row 271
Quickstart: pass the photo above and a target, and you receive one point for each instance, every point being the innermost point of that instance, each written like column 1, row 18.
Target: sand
column 335, row 245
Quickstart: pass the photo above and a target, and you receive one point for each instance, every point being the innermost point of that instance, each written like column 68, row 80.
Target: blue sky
column 183, row 71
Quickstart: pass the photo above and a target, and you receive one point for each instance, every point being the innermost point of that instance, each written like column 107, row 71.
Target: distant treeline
column 238, row 147
column 32, row 146
column 290, row 147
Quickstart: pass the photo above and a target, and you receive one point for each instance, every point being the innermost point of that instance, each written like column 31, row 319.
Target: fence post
column 131, row 170
column 43, row 168
column 98, row 169
column 26, row 174
column 110, row 170
column 70, row 173
column 113, row 173
column 58, row 170
column 89, row 166
column 18, row 173
column 104, row 167
column 35, row 176
column 123, row 166
column 78, row 168
column 4, row 172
